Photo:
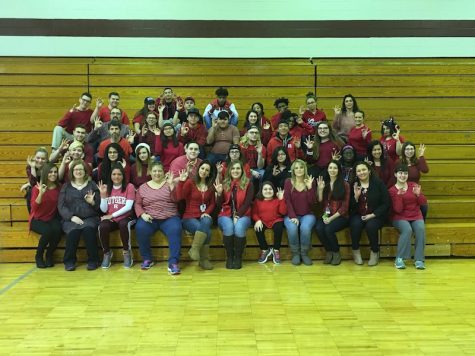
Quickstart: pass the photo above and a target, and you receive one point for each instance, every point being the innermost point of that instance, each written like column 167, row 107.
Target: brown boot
column 198, row 241
column 373, row 258
column 357, row 257
column 204, row 257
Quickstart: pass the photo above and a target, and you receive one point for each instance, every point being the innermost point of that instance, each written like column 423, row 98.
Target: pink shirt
column 158, row 203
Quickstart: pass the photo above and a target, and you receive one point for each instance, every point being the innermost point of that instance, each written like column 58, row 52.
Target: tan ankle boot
column 204, row 258
column 357, row 257
column 373, row 258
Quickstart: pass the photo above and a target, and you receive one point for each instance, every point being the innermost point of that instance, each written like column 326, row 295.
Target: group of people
column 176, row 170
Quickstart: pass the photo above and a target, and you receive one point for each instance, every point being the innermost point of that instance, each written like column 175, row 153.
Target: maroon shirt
column 71, row 119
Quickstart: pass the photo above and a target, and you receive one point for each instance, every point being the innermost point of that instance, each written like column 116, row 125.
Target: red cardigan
column 243, row 203
column 269, row 211
column 189, row 192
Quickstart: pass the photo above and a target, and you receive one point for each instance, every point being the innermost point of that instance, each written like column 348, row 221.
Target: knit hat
column 139, row 146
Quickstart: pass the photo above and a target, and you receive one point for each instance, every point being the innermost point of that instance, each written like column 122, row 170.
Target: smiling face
column 377, row 151
column 236, row 171
column 168, row 94
column 143, row 155
column 151, row 120
column 348, row 155
column 252, row 118
column 332, row 170
column 116, row 176
column 114, row 132
column 112, row 154
column 409, row 151
column 84, row 102
column 40, row 159
column 157, row 173
column 299, row 170
column 283, row 129
column 114, row 101
column 349, row 103
column 281, row 107
column 359, row 119
column 257, row 108
column 204, row 171
column 253, row 135
column 189, row 104
column 386, row 131
column 79, row 134
column 115, row 114
column 311, row 104
column 193, row 119
column 192, row 151
column 168, row 131
column 281, row 157
column 362, row 172
column 76, row 152
column 79, row 173
column 234, row 154
column 267, row 191
column 323, row 130
column 223, row 122
column 401, row 176
column 53, row 175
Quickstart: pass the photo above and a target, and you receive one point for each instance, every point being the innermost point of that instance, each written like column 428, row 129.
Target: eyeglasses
column 281, row 106
column 86, row 100
column 253, row 132
column 78, row 170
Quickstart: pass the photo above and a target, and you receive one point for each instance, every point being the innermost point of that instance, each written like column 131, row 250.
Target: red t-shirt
column 48, row 208
column 355, row 138
column 71, row 119
column 105, row 115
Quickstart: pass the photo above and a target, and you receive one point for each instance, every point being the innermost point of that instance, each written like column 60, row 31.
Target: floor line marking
column 16, row 281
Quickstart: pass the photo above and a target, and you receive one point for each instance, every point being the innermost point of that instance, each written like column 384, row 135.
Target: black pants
column 107, row 226
column 327, row 232
column 371, row 227
column 72, row 242
column 50, row 232
column 278, row 228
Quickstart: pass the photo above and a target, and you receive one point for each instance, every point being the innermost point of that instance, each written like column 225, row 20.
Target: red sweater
column 71, row 119
column 289, row 146
column 390, row 147
column 169, row 153
column 325, row 154
column 251, row 155
column 299, row 203
column 242, row 203
column 194, row 198
column 48, row 208
column 197, row 134
column 269, row 211
column 137, row 180
column 406, row 206
column 360, row 144
column 414, row 171
column 340, row 206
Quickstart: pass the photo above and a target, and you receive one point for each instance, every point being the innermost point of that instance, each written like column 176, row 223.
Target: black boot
column 49, row 261
column 40, row 251
column 239, row 245
column 229, row 248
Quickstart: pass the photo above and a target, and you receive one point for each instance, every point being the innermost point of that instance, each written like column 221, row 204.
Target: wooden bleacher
column 431, row 99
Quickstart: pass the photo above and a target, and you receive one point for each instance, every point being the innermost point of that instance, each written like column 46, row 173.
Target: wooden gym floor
column 259, row 310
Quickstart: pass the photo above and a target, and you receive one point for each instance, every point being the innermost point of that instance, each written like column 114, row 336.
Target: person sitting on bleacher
column 105, row 111
column 140, row 170
column 101, row 130
column 221, row 136
column 114, row 132
column 113, row 155
column 193, row 130
column 281, row 104
column 344, row 119
column 77, row 115
column 44, row 218
column 34, row 166
column 79, row 135
column 169, row 106
column 218, row 105
column 147, row 134
column 167, row 146
column 141, row 115
column 284, row 139
column 189, row 161
column 75, row 153
column 369, row 206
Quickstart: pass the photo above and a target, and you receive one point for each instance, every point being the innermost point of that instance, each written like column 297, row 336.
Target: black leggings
column 371, row 227
column 50, row 232
column 278, row 228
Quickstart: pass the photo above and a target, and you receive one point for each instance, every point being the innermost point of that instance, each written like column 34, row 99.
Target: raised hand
column 396, row 134
column 365, row 132
column 218, row 187
column 297, row 142
column 422, row 149
column 64, row 145
column 99, row 103
column 179, row 105
column 219, row 167
column 299, row 120
column 336, row 156
column 309, row 143
column 97, row 123
column 302, row 109
column 280, row 193
column 67, row 157
column 183, row 175
column 184, row 130
column 156, row 131
column 309, row 182
column 41, row 187
column 266, row 126
column 131, row 137
column 123, row 163
column 337, row 110
column 74, row 108
column 320, row 183
column 417, row 190
column 275, row 171
column 102, row 189
column 144, row 130
column 259, row 147
column 368, row 161
column 161, row 108
column 169, row 178
column 89, row 197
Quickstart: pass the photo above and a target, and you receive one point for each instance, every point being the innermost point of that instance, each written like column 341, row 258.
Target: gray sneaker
column 128, row 259
column 106, row 261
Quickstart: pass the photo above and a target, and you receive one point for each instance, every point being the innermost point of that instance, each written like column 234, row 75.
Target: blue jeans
column 304, row 229
column 227, row 226
column 170, row 227
column 216, row 157
column 201, row 224
column 406, row 229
